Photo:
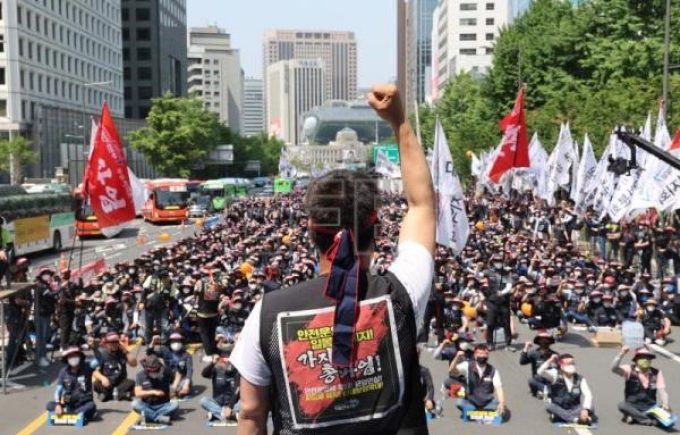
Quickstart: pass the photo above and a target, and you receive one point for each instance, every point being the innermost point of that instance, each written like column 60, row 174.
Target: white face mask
column 176, row 347
column 570, row 369
column 74, row 361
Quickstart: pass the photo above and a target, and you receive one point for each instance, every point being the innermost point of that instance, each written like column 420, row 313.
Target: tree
column 16, row 153
column 597, row 65
column 179, row 134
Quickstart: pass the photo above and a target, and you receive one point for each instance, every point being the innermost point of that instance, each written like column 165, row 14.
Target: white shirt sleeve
column 247, row 354
column 586, row 395
column 414, row 268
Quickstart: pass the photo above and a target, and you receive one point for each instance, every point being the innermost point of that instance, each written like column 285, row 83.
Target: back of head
column 342, row 200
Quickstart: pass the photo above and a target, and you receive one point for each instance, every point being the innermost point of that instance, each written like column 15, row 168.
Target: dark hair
column 342, row 199
column 481, row 346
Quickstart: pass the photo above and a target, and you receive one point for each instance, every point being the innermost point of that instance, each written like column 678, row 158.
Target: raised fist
column 386, row 101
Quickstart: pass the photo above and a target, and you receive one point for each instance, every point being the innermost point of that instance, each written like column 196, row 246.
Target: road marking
column 108, row 257
column 119, row 246
column 582, row 431
column 124, row 427
column 664, row 352
column 33, row 426
column 101, row 249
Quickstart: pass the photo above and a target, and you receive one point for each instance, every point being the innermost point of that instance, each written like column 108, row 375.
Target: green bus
column 283, row 185
column 223, row 192
column 35, row 222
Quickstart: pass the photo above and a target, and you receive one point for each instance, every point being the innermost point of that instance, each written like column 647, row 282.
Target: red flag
column 106, row 179
column 514, row 152
column 675, row 145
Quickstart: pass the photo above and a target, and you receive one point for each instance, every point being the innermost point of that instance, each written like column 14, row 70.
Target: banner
column 514, row 151
column 585, row 174
column 655, row 174
column 320, row 395
column 107, row 180
column 89, row 271
column 539, row 164
column 385, row 167
column 452, row 221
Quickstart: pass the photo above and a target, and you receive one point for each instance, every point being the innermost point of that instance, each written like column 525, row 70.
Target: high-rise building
column 401, row 45
column 252, row 119
column 337, row 50
column 418, row 49
column 465, row 31
column 59, row 61
column 58, row 54
column 215, row 74
column 154, row 52
column 293, row 87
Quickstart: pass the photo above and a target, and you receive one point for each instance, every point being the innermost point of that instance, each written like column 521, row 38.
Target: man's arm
column 254, row 408
column 419, row 223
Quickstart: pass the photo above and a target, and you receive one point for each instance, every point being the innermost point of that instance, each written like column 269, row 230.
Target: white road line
column 664, row 352
column 101, row 249
column 108, row 257
column 119, row 246
column 582, row 431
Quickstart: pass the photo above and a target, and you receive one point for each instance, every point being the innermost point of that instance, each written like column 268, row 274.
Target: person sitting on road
column 223, row 405
column 536, row 357
column 110, row 377
column 607, row 314
column 656, row 324
column 484, row 387
column 571, row 400
column 74, row 386
column 643, row 384
column 152, row 391
column 180, row 362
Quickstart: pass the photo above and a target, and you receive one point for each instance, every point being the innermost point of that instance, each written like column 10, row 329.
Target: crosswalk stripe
column 36, row 424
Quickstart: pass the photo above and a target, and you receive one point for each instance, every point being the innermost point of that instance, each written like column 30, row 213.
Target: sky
column 373, row 21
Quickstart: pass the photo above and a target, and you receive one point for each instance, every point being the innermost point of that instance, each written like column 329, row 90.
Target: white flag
column 385, row 167
column 562, row 159
column 594, row 190
column 452, row 221
column 475, row 166
column 585, row 174
column 138, row 189
column 539, row 167
column 654, row 172
column 286, row 169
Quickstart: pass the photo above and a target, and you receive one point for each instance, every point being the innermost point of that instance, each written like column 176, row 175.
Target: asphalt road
column 22, row 410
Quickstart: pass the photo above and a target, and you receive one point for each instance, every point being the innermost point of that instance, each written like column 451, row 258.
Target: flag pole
column 420, row 140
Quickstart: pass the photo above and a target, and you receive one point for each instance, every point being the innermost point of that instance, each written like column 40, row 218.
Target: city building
column 293, row 87
column 465, row 31
column 320, row 125
column 337, row 50
column 215, row 75
column 343, row 152
column 154, row 52
column 252, row 118
column 62, row 57
column 418, row 51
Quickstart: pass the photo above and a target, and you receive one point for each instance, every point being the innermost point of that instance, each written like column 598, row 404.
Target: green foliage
column 18, row 148
column 260, row 147
column 179, row 133
column 597, row 65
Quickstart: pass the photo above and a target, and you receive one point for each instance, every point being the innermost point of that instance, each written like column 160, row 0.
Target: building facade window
column 490, row 7
column 468, row 21
column 144, row 34
column 468, row 6
column 490, row 21
column 468, row 51
column 489, row 36
column 468, row 37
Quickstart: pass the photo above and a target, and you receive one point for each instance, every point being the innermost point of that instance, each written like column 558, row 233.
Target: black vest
column 78, row 386
column 225, row 384
column 562, row 397
column 380, row 394
column 636, row 394
column 480, row 389
column 113, row 366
